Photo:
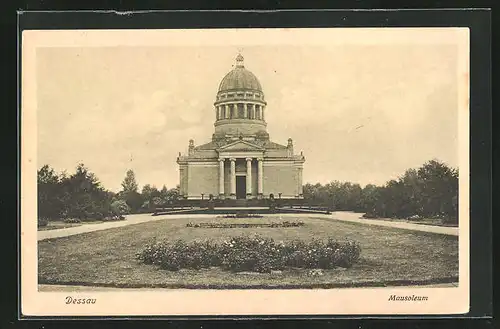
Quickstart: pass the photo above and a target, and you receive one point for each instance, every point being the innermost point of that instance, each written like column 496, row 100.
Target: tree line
column 82, row 196
column 430, row 191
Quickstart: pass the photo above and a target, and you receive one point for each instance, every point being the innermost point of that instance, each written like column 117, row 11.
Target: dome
column 240, row 79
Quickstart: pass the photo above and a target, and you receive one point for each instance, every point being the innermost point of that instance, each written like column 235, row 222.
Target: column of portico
column 233, row 177
column 221, row 177
column 245, row 110
column 249, row 177
column 299, row 181
column 260, row 177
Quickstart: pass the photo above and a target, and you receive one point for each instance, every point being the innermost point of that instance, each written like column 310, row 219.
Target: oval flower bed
column 245, row 225
column 242, row 215
column 255, row 254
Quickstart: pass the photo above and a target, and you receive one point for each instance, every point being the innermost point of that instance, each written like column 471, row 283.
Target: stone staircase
column 240, row 203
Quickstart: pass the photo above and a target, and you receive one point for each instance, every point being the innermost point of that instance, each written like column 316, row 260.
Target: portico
column 240, row 183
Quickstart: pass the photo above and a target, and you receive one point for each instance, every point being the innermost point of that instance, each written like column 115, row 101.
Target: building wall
column 204, row 154
column 236, row 127
column 277, row 153
column 280, row 178
column 183, row 173
column 203, row 178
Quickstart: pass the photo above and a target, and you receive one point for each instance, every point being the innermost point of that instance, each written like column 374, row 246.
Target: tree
column 429, row 191
column 164, row 193
column 129, row 183
column 146, row 192
column 316, row 194
column 369, row 198
column 130, row 192
column 49, row 198
column 173, row 194
column 439, row 189
column 83, row 196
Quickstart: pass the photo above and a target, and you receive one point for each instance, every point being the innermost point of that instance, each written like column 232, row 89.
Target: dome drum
column 238, row 110
column 239, row 127
column 244, row 95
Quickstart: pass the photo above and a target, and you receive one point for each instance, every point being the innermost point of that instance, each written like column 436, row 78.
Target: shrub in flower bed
column 255, row 253
column 244, row 225
column 243, row 215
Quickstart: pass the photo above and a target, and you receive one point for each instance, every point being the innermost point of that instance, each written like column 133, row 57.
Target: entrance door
column 241, row 187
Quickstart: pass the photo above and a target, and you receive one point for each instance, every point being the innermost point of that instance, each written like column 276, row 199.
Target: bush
column 414, row 218
column 113, row 218
column 243, row 215
column 450, row 220
column 118, row 209
column 42, row 222
column 255, row 253
column 72, row 220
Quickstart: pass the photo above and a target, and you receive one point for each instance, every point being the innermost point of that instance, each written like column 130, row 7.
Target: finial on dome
column 239, row 60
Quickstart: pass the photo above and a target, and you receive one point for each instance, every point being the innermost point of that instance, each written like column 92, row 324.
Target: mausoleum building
column 241, row 162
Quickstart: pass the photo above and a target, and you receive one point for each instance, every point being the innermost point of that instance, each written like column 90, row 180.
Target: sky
column 359, row 112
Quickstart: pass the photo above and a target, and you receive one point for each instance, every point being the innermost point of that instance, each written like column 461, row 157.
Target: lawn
column 58, row 224
column 55, row 225
column 389, row 256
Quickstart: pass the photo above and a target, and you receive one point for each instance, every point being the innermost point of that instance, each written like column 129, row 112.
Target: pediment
column 240, row 145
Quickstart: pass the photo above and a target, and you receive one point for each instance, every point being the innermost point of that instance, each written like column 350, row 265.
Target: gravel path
column 356, row 218
column 341, row 216
column 85, row 228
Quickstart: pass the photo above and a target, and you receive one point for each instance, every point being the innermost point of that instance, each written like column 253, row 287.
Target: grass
column 389, row 256
column 55, row 225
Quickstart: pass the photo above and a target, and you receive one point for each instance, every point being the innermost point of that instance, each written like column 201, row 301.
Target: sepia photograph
column 245, row 171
